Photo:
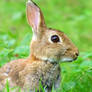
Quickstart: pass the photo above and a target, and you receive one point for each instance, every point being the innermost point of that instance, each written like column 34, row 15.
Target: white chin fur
column 52, row 60
column 66, row 60
column 48, row 59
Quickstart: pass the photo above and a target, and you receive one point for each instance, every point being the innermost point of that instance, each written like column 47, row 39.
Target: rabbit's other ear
column 34, row 16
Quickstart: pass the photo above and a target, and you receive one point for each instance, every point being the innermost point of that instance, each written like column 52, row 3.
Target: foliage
column 74, row 17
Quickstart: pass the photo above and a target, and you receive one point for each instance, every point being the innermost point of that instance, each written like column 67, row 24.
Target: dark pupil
column 55, row 38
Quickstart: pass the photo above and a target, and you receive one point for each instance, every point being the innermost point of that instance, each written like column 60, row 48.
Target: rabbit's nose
column 76, row 54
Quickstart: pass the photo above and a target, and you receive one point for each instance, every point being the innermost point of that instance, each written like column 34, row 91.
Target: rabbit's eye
column 55, row 39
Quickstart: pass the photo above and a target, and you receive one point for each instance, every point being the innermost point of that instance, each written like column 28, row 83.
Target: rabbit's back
column 10, row 73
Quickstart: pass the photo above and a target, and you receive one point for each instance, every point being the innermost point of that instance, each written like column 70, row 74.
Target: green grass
column 74, row 17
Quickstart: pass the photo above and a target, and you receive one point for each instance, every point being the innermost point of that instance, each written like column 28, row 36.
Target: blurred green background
column 74, row 17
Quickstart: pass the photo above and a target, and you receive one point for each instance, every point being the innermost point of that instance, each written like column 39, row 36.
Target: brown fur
column 27, row 73
column 43, row 61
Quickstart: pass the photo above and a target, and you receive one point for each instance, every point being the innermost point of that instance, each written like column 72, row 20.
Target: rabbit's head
column 48, row 44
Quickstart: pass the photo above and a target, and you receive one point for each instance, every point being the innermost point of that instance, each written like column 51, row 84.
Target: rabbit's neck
column 33, row 58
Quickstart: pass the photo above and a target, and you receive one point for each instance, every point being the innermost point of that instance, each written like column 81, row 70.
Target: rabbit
column 49, row 47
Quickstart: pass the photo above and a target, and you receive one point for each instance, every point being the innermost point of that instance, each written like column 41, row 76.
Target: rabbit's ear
column 34, row 16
